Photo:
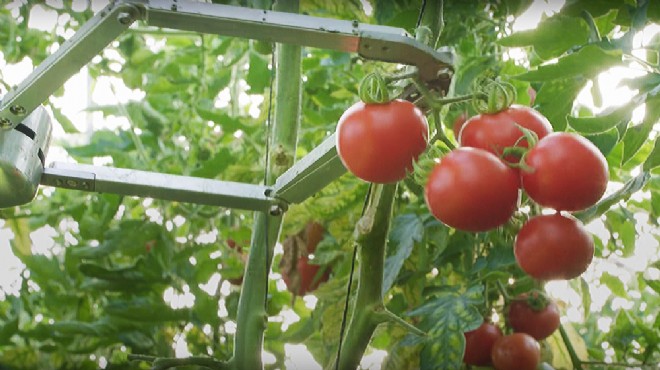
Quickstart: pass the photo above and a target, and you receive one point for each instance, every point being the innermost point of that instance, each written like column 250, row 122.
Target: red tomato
column 551, row 247
column 568, row 172
column 517, row 351
column 305, row 277
column 379, row 142
column 472, row 190
column 539, row 322
column 479, row 343
column 494, row 132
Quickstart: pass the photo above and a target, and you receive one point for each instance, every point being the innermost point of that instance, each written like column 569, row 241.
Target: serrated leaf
column 602, row 123
column 551, row 37
column 614, row 284
column 587, row 62
column 447, row 317
column 406, row 230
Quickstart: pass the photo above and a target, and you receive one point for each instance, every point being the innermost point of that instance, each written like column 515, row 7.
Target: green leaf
column 447, row 317
column 605, row 141
column 602, row 123
column 406, row 230
column 629, row 188
column 552, row 36
column 585, row 292
column 145, row 310
column 64, row 121
column 555, row 100
column 259, row 75
column 634, row 139
column 587, row 62
column 213, row 167
column 21, row 244
column 627, row 235
column 653, row 160
column 614, row 284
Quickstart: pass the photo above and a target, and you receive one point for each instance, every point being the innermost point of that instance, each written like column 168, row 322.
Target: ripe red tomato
column 551, row 247
column 539, row 322
column 472, row 190
column 568, row 172
column 304, row 280
column 479, row 343
column 494, row 132
column 379, row 142
column 517, row 351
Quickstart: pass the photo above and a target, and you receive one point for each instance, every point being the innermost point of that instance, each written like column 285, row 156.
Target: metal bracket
column 159, row 186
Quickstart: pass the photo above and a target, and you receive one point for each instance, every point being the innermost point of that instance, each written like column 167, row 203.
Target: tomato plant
column 497, row 131
column 472, row 190
column 517, row 351
column 566, row 172
column 533, row 315
column 379, row 142
column 555, row 246
column 479, row 342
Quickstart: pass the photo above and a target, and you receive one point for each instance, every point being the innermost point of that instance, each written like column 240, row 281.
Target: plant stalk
column 372, row 231
column 252, row 317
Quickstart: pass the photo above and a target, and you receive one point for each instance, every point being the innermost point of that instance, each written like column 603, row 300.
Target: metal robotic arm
column 25, row 126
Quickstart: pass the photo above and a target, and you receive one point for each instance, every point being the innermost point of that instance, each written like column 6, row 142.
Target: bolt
column 5, row 123
column 276, row 210
column 125, row 18
column 18, row 110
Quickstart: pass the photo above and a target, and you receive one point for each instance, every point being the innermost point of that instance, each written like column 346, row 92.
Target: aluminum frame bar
column 310, row 174
column 383, row 43
column 159, row 186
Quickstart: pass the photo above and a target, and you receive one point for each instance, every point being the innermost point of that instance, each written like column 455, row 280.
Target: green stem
column 251, row 319
column 372, row 231
column 577, row 364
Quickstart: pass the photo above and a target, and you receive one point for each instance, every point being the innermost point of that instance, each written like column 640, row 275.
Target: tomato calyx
column 536, row 300
column 373, row 89
column 499, row 95
column 518, row 151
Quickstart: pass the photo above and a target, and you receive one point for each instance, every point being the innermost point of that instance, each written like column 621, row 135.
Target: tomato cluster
column 476, row 187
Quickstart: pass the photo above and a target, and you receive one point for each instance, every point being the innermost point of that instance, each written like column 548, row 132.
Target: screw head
column 125, row 18
column 5, row 123
column 18, row 110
